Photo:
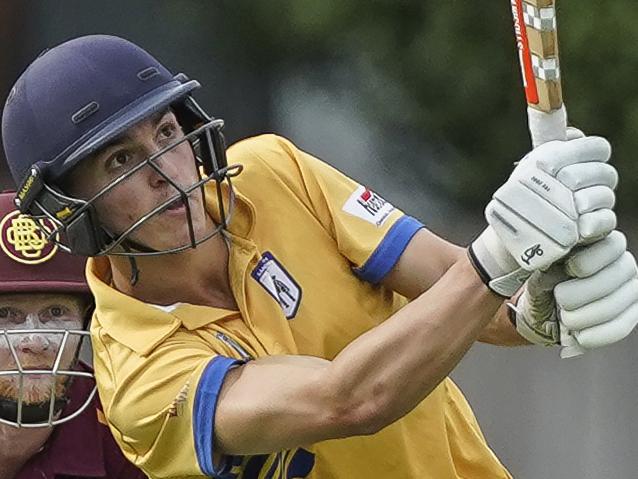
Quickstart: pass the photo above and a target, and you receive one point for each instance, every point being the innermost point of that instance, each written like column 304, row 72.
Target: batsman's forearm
column 279, row 402
column 390, row 369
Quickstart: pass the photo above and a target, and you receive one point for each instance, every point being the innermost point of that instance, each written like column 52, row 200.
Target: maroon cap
column 28, row 262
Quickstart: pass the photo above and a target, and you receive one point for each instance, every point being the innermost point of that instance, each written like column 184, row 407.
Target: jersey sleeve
column 161, row 408
column 369, row 231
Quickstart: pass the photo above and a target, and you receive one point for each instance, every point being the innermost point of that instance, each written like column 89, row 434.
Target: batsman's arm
column 281, row 402
column 426, row 259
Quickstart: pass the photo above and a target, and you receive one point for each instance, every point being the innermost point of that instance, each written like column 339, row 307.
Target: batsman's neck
column 196, row 276
column 17, row 446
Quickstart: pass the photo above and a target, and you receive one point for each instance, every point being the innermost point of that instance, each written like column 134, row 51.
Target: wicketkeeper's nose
column 34, row 344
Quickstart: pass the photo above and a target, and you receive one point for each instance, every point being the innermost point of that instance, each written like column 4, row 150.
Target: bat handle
column 547, row 126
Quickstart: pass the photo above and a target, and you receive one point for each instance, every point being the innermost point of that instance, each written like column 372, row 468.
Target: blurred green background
column 443, row 72
column 448, row 70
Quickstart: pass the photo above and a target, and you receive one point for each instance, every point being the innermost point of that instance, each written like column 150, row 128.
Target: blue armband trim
column 204, row 409
column 389, row 250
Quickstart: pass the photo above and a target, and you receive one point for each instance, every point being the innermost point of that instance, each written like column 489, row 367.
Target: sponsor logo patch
column 368, row 206
column 23, row 240
column 278, row 283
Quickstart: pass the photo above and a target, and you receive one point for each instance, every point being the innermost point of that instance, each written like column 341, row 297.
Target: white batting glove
column 535, row 314
column 599, row 305
column 588, row 302
column 559, row 195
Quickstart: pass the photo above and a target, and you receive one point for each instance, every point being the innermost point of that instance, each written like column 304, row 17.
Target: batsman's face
column 33, row 349
column 136, row 196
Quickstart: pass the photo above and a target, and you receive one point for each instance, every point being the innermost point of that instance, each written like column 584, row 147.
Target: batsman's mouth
column 177, row 206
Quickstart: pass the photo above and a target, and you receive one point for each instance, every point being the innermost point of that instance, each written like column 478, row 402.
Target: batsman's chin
column 179, row 237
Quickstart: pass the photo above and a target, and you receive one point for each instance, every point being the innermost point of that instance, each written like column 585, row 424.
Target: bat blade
column 537, row 42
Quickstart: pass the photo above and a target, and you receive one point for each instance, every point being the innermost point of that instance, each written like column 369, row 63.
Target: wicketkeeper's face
column 137, row 195
column 28, row 343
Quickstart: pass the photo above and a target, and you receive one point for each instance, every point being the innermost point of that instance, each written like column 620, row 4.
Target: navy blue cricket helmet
column 73, row 100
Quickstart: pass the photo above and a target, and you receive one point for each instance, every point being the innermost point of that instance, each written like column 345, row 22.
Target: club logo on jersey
column 368, row 206
column 278, row 283
column 23, row 240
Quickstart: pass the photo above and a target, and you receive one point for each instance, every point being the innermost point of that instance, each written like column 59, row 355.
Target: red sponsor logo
column 371, row 201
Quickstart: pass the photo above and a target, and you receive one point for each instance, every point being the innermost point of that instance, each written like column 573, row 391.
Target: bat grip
column 547, row 126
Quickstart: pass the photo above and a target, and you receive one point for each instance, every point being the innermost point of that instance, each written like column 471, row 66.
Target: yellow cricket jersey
column 308, row 247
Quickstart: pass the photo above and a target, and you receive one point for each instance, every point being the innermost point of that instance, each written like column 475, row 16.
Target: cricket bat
column 535, row 28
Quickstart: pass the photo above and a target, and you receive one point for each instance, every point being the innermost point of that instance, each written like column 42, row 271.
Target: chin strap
column 135, row 271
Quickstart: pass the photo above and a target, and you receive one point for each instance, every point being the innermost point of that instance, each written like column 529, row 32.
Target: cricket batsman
column 259, row 314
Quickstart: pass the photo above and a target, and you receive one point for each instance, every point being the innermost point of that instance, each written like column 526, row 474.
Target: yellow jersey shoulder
column 265, row 147
column 265, row 158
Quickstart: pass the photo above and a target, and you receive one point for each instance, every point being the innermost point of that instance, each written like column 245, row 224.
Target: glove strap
column 495, row 266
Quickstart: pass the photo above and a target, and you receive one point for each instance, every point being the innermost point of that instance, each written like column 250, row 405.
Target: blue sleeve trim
column 389, row 250
column 204, row 409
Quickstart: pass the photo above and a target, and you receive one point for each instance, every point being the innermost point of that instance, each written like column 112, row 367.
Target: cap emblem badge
column 24, row 241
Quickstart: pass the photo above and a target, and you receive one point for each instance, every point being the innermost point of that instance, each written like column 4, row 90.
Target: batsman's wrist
column 495, row 266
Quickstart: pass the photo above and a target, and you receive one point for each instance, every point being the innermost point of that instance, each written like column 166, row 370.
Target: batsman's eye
column 56, row 311
column 167, row 130
column 4, row 313
column 117, row 160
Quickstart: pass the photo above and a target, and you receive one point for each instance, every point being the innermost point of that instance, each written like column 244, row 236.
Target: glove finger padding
column 572, row 133
column 537, row 186
column 556, row 155
column 576, row 293
column 595, row 225
column 594, row 198
column 610, row 332
column 584, row 175
column 603, row 310
column 590, row 259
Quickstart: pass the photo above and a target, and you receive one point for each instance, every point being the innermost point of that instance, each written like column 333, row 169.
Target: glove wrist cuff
column 495, row 266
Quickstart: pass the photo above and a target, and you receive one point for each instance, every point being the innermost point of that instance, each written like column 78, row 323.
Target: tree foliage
column 449, row 69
